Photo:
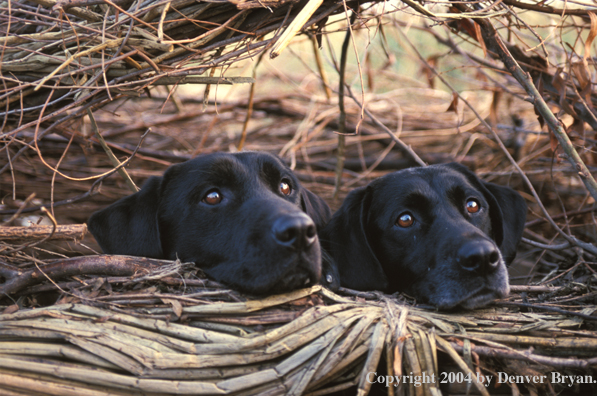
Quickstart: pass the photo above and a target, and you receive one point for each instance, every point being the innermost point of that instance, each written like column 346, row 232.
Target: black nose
column 295, row 231
column 481, row 255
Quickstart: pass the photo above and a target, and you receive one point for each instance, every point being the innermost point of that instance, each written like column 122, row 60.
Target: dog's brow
column 418, row 200
column 270, row 173
column 459, row 190
column 455, row 193
column 270, row 170
column 222, row 170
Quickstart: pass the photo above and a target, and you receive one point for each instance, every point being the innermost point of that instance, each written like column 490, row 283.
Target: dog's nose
column 479, row 255
column 296, row 231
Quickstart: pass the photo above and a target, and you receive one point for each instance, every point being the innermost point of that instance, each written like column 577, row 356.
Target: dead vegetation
column 505, row 88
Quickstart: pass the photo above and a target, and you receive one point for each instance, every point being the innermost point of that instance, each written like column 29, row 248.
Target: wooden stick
column 572, row 362
column 296, row 25
column 17, row 279
column 63, row 232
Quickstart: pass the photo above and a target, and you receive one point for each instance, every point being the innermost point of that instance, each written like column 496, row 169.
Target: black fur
column 257, row 239
column 448, row 257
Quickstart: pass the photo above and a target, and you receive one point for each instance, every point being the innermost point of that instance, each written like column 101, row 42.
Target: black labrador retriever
column 243, row 218
column 438, row 233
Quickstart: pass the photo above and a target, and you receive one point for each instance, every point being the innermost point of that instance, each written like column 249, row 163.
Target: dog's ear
column 514, row 211
column 345, row 241
column 129, row 226
column 316, row 208
column 507, row 212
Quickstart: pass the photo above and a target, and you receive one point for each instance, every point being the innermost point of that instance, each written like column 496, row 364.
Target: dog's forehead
column 266, row 167
column 231, row 169
column 211, row 168
column 431, row 182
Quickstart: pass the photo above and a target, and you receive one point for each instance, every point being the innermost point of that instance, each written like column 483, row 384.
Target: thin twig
column 115, row 162
column 342, row 111
column 547, row 308
column 35, row 243
column 406, row 148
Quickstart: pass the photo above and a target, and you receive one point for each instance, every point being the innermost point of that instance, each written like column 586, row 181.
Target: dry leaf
column 578, row 126
column 432, row 61
column 592, row 34
column 580, row 68
column 454, row 104
column 479, row 38
column 553, row 143
column 10, row 309
column 104, row 319
column 539, row 118
column 493, row 109
column 559, row 83
column 176, row 305
column 465, row 25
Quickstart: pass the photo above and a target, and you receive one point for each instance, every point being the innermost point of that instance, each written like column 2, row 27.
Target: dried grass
column 165, row 339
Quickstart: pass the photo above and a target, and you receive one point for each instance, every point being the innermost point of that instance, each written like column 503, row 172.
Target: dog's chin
column 304, row 271
column 476, row 299
column 296, row 280
column 294, row 272
column 482, row 298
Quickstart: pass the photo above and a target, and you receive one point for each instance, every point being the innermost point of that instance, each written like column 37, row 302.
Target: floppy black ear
column 344, row 240
column 316, row 208
column 508, row 212
column 129, row 226
column 514, row 213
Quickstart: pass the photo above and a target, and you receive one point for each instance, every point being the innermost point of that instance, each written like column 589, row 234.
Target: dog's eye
column 213, row 198
column 285, row 187
column 472, row 206
column 405, row 220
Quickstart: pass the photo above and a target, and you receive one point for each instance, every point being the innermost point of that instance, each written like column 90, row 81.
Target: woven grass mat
column 164, row 329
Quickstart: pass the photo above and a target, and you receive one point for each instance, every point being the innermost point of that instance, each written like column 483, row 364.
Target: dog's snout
column 296, row 231
column 480, row 255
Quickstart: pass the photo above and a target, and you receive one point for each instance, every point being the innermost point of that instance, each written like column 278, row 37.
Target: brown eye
column 213, row 198
column 405, row 220
column 285, row 188
column 472, row 206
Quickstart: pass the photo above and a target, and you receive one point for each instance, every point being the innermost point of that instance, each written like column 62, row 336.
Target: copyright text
column 459, row 377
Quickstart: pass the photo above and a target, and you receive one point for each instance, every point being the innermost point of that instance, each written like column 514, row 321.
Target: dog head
column 437, row 233
column 243, row 218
